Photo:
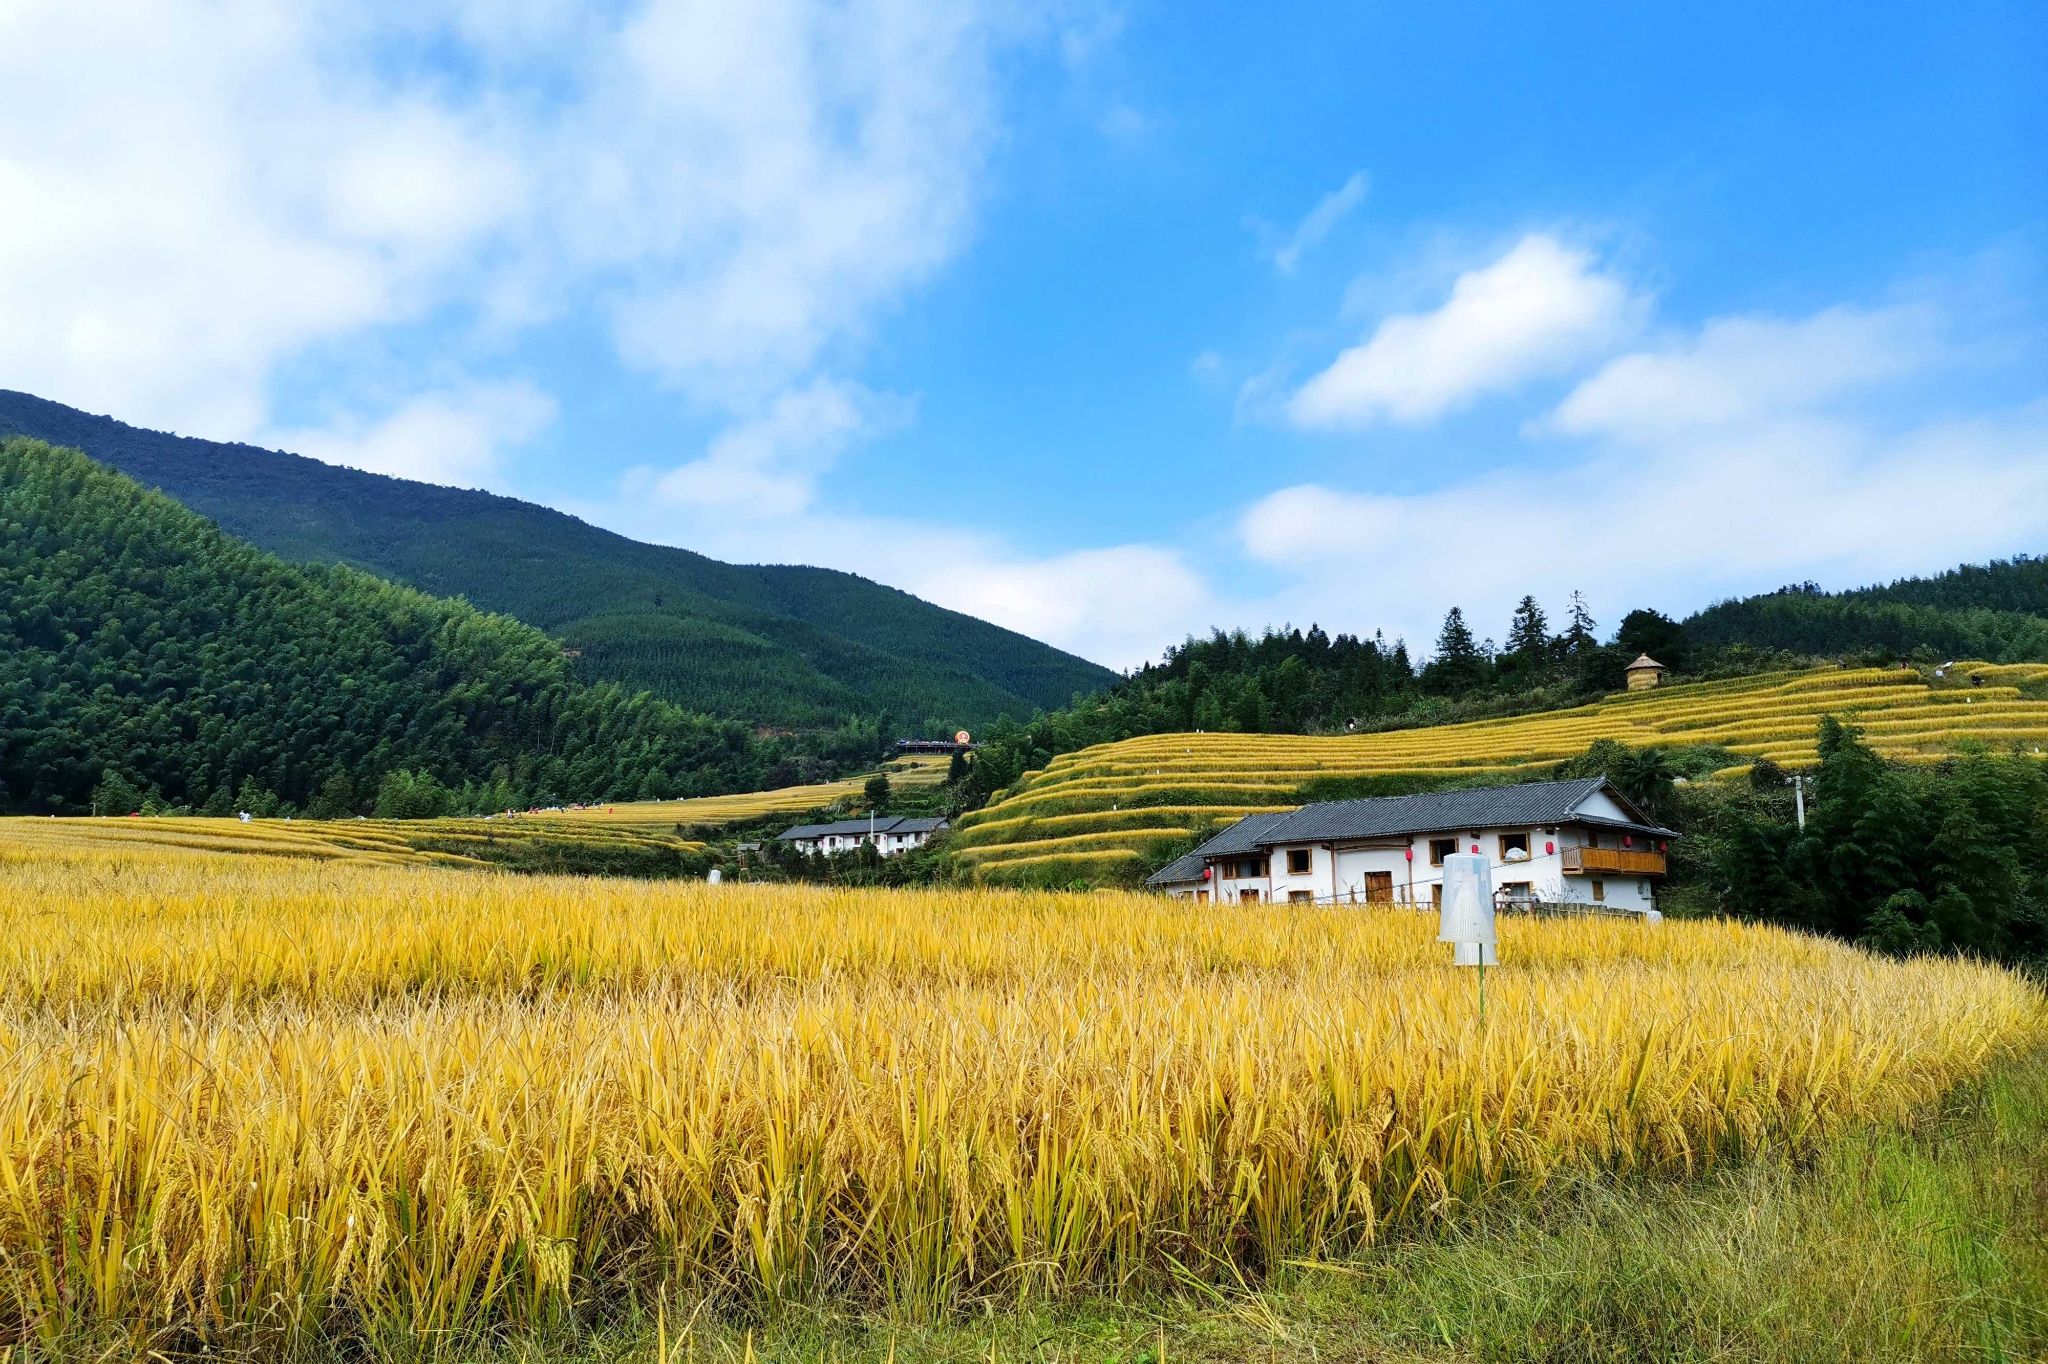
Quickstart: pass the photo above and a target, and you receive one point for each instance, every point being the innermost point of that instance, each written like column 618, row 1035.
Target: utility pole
column 1799, row 798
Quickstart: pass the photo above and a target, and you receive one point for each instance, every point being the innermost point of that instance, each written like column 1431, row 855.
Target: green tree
column 1457, row 666
column 254, row 799
column 1644, row 631
column 1580, row 631
column 1528, row 631
column 877, row 791
column 336, row 799
column 115, row 794
column 405, row 794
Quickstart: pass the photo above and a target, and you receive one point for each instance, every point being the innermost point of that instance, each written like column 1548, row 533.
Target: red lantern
column 1665, row 846
column 1627, row 842
column 1207, row 872
column 1411, row 854
column 1549, row 848
column 1475, row 847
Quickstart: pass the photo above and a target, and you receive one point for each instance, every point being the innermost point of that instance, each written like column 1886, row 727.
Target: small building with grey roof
column 887, row 834
column 1578, row 842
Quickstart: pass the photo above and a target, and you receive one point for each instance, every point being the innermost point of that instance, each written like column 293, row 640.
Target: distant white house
column 1550, row 843
column 890, row 835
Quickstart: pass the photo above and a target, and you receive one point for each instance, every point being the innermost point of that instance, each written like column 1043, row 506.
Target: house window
column 1440, row 848
column 1599, row 891
column 1297, row 861
column 1247, row 897
column 1516, row 890
column 1436, row 895
column 1251, row 866
column 1513, row 843
column 1301, row 897
column 1592, row 838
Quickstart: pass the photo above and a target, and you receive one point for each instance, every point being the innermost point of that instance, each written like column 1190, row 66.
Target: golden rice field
column 247, row 1102
column 705, row 812
column 1107, row 813
column 459, row 842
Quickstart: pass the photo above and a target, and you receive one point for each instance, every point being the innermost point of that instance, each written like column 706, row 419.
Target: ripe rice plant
column 253, row 1100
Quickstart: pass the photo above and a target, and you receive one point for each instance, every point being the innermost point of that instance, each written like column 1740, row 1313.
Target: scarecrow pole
column 1466, row 920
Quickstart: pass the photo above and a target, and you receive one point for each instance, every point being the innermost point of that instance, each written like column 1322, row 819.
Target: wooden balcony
column 1621, row 861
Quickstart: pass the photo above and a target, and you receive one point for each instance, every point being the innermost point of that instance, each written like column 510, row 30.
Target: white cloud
column 734, row 190
column 760, row 178
column 1120, row 605
column 1730, row 457
column 1330, row 210
column 1536, row 311
column 770, row 464
column 454, row 436
column 1741, row 368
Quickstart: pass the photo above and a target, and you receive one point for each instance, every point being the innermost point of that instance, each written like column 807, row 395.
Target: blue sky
column 1110, row 323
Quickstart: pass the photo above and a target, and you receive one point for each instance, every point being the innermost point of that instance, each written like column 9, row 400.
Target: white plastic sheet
column 1467, row 915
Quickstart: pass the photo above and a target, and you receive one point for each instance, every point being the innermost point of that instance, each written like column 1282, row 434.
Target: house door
column 1379, row 887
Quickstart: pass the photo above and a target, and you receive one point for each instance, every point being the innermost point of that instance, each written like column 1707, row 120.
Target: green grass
column 1890, row 1245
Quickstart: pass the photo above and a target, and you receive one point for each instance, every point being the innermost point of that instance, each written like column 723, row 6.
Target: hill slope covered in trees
column 776, row 645
column 145, row 651
column 1996, row 611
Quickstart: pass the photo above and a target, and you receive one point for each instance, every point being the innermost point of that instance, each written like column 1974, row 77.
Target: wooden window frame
column 1308, row 861
column 1436, row 858
column 1500, row 842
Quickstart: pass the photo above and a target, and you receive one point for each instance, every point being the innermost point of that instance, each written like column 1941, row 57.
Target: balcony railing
column 1620, row 860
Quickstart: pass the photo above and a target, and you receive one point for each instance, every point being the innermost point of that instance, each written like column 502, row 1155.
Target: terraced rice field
column 634, row 833
column 1106, row 814
column 708, row 812
column 279, row 1107
column 387, row 842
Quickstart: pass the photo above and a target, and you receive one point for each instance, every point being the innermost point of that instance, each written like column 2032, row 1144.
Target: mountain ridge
column 777, row 645
column 145, row 651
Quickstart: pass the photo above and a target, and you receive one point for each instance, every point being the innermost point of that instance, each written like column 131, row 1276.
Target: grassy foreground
column 1890, row 1244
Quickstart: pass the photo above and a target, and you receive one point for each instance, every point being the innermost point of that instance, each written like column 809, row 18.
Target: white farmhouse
column 1578, row 843
column 890, row 836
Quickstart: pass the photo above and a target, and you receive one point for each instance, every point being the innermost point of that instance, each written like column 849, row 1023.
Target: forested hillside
column 1296, row 682
column 773, row 645
column 146, row 654
column 1996, row 611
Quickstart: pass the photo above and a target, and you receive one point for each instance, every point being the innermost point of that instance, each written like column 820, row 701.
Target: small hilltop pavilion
column 1552, row 844
column 1645, row 673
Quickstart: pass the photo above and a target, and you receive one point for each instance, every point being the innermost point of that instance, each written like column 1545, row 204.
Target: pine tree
column 1454, row 641
column 1529, row 631
column 1579, row 635
column 1458, row 666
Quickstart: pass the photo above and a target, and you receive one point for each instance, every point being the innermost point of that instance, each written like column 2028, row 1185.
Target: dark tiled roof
column 1491, row 807
column 1243, row 836
column 916, row 826
column 892, row 824
column 1187, row 868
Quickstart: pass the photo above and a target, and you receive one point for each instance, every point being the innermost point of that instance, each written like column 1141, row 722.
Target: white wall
column 1341, row 873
